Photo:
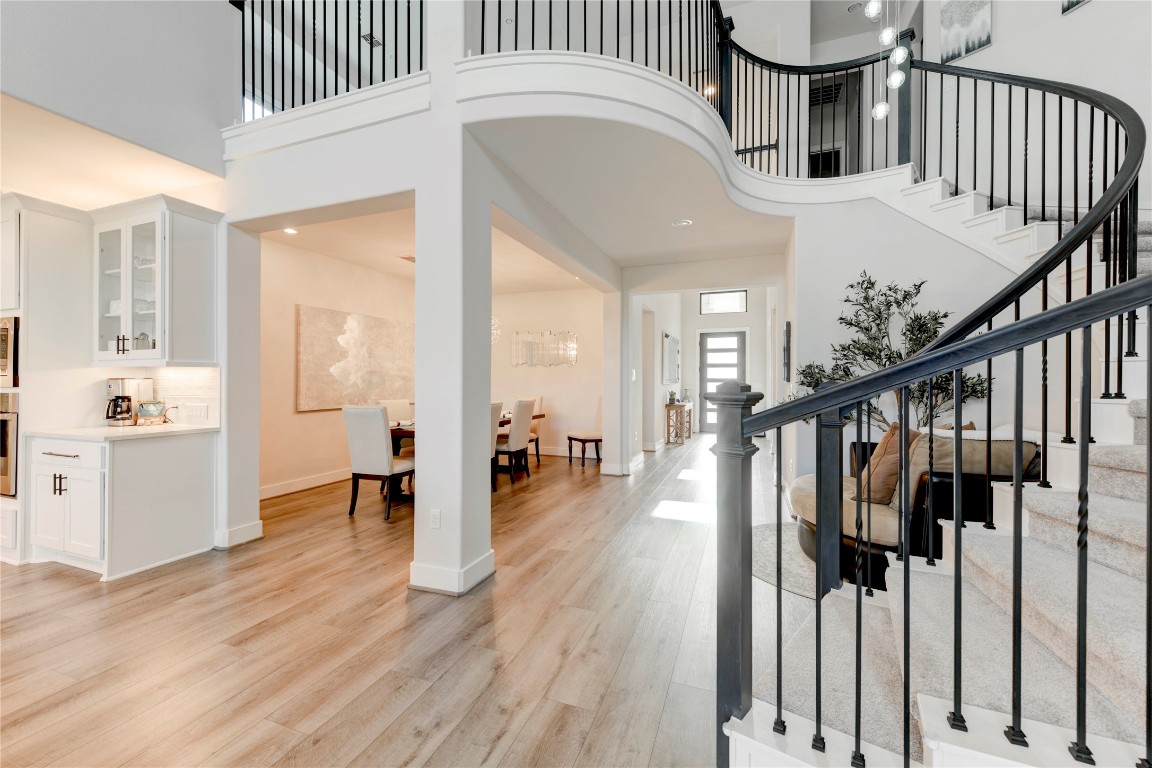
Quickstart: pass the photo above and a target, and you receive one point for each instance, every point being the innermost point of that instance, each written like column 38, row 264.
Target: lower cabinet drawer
column 66, row 453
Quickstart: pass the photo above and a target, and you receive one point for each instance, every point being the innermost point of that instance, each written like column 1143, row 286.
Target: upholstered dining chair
column 401, row 410
column 533, row 435
column 585, row 436
column 370, row 448
column 496, row 412
column 515, row 446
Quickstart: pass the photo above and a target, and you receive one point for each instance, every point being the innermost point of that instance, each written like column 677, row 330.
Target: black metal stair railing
column 830, row 407
column 680, row 38
column 298, row 52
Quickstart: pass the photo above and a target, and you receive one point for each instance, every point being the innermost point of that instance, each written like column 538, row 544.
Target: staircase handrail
column 1129, row 296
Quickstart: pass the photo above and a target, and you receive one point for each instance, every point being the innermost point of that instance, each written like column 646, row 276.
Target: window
column 722, row 302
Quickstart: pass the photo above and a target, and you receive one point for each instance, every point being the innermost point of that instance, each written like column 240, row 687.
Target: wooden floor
column 592, row 645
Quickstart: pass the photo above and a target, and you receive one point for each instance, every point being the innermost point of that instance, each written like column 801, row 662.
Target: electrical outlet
column 194, row 413
column 434, row 518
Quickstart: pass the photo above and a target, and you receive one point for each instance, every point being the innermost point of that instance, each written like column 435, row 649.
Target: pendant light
column 900, row 54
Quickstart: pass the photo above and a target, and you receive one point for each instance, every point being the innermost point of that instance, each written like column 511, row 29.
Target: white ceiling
column 54, row 158
column 831, row 20
column 379, row 240
column 623, row 187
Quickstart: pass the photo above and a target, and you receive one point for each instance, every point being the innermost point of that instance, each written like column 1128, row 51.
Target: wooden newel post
column 734, row 452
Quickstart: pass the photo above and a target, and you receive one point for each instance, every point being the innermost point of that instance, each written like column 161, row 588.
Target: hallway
column 592, row 645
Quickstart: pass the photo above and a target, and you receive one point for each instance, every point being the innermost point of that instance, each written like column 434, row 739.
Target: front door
column 722, row 357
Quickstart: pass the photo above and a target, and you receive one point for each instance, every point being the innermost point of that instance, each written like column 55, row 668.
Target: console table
column 677, row 422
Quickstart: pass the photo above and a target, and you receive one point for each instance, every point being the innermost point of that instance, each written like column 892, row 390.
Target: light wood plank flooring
column 592, row 644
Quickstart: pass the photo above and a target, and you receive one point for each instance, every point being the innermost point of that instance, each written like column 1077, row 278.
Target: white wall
column 755, row 320
column 570, row 392
column 666, row 318
column 159, row 74
column 302, row 450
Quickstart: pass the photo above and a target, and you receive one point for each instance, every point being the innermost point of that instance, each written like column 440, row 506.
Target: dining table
column 402, row 430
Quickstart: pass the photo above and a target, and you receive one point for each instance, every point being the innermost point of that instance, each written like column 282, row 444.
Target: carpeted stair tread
column 1130, row 458
column 1116, row 640
column 1117, row 527
column 1048, row 684
column 1138, row 410
column 883, row 700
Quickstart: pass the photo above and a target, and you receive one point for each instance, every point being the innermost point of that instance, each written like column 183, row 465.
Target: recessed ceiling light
column 855, row 7
column 289, row 231
column 682, row 223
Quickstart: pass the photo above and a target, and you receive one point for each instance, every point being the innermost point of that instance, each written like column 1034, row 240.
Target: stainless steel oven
column 8, row 443
column 9, row 351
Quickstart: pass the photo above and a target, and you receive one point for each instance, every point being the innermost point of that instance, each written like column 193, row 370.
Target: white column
column 452, row 551
column 238, row 334
column 617, row 386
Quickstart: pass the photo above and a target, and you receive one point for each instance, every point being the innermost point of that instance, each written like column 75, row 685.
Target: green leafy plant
column 888, row 328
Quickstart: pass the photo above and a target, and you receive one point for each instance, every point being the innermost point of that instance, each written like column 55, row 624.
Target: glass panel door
column 109, row 291
column 722, row 357
column 144, row 272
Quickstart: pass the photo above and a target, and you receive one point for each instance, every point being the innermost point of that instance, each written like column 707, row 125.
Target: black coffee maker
column 123, row 396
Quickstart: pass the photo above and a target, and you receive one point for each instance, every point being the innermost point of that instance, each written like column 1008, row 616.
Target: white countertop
column 100, row 434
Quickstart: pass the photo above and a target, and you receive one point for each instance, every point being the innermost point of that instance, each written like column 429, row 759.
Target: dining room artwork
column 344, row 358
column 965, row 27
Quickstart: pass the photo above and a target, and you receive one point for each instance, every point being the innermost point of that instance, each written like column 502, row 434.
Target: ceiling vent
column 825, row 94
column 372, row 40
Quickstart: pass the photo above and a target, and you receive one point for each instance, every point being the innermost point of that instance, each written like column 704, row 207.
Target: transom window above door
column 723, row 302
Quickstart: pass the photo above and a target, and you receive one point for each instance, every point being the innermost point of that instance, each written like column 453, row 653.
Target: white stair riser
column 1135, row 378
column 1111, row 422
column 987, row 226
column 1024, row 242
column 957, row 210
column 926, row 193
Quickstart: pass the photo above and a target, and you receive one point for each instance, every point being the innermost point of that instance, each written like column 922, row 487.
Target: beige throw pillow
column 883, row 468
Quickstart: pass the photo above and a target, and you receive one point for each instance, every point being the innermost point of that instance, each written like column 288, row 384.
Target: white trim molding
column 239, row 535
column 450, row 581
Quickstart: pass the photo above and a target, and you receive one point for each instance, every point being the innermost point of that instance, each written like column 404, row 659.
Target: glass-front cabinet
column 129, row 280
column 155, row 262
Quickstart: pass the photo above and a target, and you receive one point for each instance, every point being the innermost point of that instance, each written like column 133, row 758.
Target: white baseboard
column 113, row 577
column 225, row 539
column 451, row 581
column 304, row 483
column 653, row 446
column 612, row 469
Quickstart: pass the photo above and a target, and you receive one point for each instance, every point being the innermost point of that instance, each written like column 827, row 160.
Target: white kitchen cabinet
column 155, row 275
column 10, row 261
column 68, row 510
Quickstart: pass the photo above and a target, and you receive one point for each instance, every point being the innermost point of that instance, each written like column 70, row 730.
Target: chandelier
column 889, row 36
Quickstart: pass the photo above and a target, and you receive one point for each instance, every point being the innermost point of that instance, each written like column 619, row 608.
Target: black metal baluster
column 905, row 504
column 645, row 32
column 551, row 9
column 817, row 738
column 956, row 716
column 272, row 47
column 940, row 129
column 988, row 521
column 1008, row 196
column 243, row 62
column 872, row 100
column 820, row 95
column 1146, row 761
column 1013, row 732
column 857, row 754
column 992, row 146
column 1079, row 748
column 1106, row 246
column 532, row 26
column 930, row 516
column 799, row 108
column 859, row 120
column 1044, row 394
column 975, row 134
column 1024, row 202
column 779, row 726
column 956, row 143
column 1044, row 157
column 384, row 36
column 923, row 125
column 371, row 48
column 515, row 25
column 868, row 576
column 420, row 4
column 760, row 142
column 787, row 124
column 408, row 35
column 1091, row 179
column 584, row 26
column 359, row 34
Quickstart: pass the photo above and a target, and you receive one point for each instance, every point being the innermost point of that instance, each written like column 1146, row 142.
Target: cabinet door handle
column 62, row 488
column 60, row 455
column 55, row 485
